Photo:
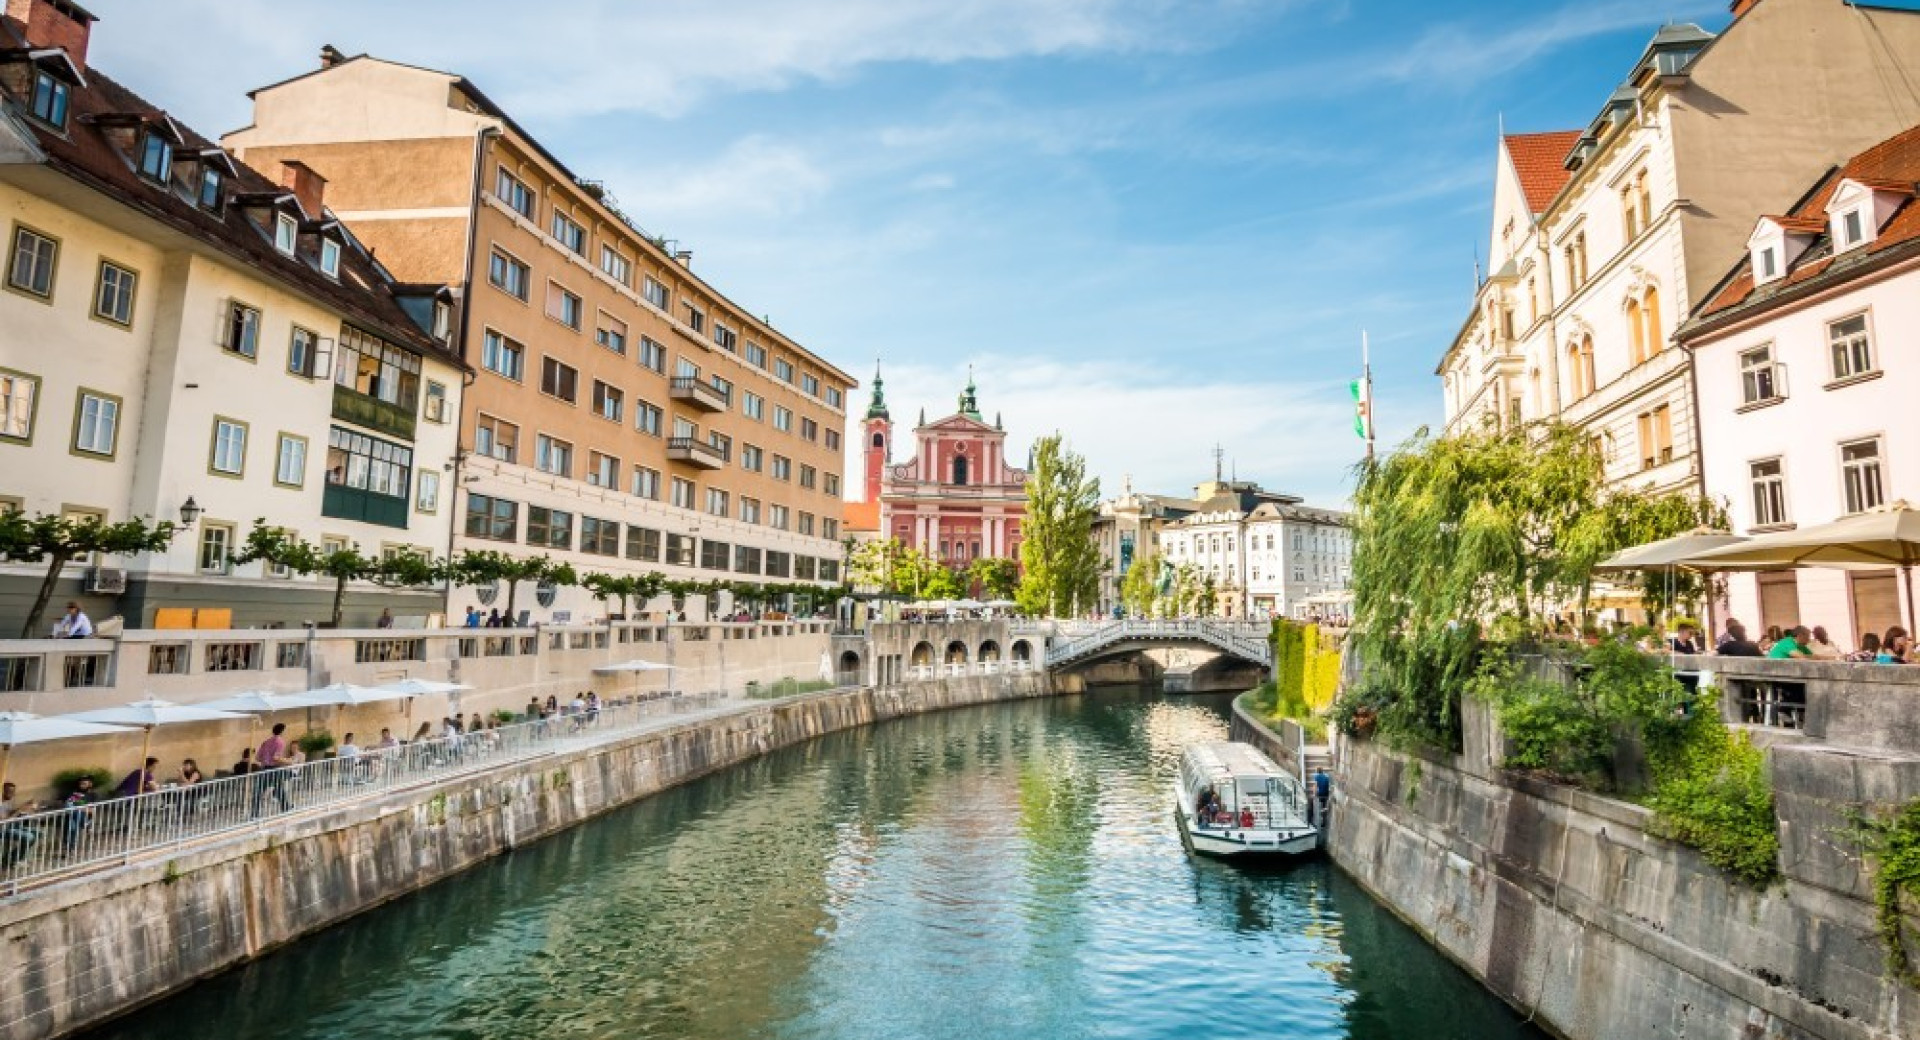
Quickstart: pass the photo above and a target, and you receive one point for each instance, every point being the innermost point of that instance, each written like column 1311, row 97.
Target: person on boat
column 1246, row 817
column 1208, row 808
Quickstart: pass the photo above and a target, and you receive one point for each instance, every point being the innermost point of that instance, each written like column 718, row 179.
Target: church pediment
column 957, row 423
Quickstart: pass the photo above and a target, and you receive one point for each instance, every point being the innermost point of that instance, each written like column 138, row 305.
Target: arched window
column 1636, row 334
column 1587, row 372
column 1646, row 200
column 960, row 470
column 1650, row 311
column 879, row 439
column 1539, row 401
column 1576, row 373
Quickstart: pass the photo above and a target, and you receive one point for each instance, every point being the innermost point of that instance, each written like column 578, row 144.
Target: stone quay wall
column 86, row 951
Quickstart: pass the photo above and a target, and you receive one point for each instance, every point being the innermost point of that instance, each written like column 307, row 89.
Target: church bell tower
column 877, row 430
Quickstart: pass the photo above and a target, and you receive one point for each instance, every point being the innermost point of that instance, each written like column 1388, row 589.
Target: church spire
column 877, row 408
column 969, row 400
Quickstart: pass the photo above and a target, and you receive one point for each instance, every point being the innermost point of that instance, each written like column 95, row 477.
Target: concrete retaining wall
column 83, row 952
column 1561, row 903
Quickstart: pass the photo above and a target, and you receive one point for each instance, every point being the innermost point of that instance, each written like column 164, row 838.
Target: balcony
column 695, row 452
column 703, row 396
column 347, row 503
column 372, row 413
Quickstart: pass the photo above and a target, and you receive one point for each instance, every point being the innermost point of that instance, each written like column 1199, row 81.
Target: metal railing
column 43, row 847
column 1243, row 639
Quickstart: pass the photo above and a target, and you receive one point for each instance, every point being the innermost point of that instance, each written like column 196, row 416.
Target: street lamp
column 190, row 511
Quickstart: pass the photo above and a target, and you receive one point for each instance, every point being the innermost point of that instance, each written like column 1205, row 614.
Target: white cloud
column 753, row 178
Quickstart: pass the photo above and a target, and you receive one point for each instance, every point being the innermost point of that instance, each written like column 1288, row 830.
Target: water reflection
column 1008, row 871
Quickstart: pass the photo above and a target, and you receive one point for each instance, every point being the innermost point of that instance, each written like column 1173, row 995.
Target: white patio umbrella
column 22, row 727
column 422, row 687
column 348, row 694
column 1884, row 537
column 1668, row 552
column 635, row 665
column 259, row 702
column 967, row 604
column 152, row 711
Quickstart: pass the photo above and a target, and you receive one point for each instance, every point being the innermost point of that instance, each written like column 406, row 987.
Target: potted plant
column 66, row 780
column 315, row 743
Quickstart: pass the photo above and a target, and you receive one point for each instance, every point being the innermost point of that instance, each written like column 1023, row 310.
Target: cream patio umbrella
column 1669, row 555
column 1884, row 537
column 20, row 727
column 151, row 711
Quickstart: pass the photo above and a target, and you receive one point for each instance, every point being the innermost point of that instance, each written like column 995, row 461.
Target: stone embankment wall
column 1563, row 904
column 85, row 951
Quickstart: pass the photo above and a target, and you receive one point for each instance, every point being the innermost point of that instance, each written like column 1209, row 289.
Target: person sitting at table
column 16, row 837
column 1687, row 641
column 1869, row 649
column 79, row 801
column 1894, row 647
column 245, row 765
column 140, row 781
column 1823, row 647
column 1735, row 643
column 190, row 773
column 1792, row 645
column 349, row 755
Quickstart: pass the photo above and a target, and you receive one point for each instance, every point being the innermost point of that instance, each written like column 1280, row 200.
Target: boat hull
column 1231, row 842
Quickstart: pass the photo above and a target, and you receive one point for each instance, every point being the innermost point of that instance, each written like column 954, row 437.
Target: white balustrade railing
column 1245, row 639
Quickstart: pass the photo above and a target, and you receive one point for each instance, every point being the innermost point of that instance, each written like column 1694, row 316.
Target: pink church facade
column 957, row 498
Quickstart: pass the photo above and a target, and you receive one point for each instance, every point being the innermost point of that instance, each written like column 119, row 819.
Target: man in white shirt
column 349, row 755
column 74, row 624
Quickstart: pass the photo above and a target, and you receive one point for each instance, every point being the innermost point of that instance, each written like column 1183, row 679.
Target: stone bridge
column 1245, row 641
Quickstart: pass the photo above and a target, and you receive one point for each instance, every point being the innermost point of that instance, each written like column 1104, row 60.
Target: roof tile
column 1540, row 162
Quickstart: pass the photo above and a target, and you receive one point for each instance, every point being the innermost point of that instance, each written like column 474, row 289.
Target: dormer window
column 1769, row 265
column 1852, row 229
column 286, row 231
column 210, row 182
column 156, row 157
column 50, row 97
column 442, row 321
column 330, row 258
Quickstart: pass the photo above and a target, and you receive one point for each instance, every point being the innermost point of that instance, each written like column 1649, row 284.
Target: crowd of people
column 1799, row 643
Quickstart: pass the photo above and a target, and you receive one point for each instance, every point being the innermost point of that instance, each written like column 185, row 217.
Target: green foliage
column 282, row 548
column 1711, row 791
column 1892, row 841
column 1357, row 711
column 67, row 780
column 1272, row 703
column 1059, row 558
column 57, row 540
column 893, row 568
column 482, row 566
column 943, row 583
column 315, row 742
column 1551, row 727
column 997, row 576
column 1140, row 588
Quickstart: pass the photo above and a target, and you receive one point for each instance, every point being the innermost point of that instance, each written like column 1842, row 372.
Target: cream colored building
column 1603, row 240
column 1269, row 555
column 626, row 416
column 175, row 326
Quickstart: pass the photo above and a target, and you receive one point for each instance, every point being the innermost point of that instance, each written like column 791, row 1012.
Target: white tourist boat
column 1257, row 807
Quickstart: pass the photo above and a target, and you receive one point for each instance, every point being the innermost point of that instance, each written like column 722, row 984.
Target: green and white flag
column 1362, row 408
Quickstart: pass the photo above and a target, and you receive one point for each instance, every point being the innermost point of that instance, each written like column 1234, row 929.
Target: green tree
column 58, row 540
column 282, row 548
column 1140, row 588
column 943, row 583
column 1057, row 550
column 481, row 566
column 623, row 587
column 891, row 567
column 997, row 576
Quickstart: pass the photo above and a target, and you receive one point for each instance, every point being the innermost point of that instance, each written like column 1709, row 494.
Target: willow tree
column 1060, row 559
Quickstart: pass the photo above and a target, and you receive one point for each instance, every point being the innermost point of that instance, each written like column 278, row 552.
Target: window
column 1852, row 228
column 1760, row 378
column 834, row 397
column 782, row 419
column 210, row 181
column 751, row 458
column 1656, row 437
column 514, row 192
column 646, row 483
column 369, row 366
column 495, row 519
column 611, row 333
column 286, row 233
column 569, row 234
column 653, row 355
column 18, row 394
column 552, row 455
column 716, row 502
column 811, row 384
column 427, row 499
column 599, row 537
column 1860, row 475
column 778, row 564
column 782, row 468
column 683, row 492
column 752, row 405
column 96, row 423
column 156, row 157
column 229, row 456
column 496, row 438
column 290, row 461
column 643, row 543
column 714, row 556
column 240, row 334
column 655, row 293
column 746, row 559
column 437, row 409
column 50, row 96
column 808, row 477
column 603, row 470
column 509, row 275
column 647, row 417
column 684, row 428
column 756, row 355
column 1630, row 212
column 783, row 370
column 725, row 338
column 362, row 463
column 680, row 550
column 564, row 306
column 559, row 380
column 30, row 268
column 608, row 401
column 809, row 430
column 684, row 368
column 113, row 297
column 1769, row 266
column 1852, row 347
column 833, row 439
column 750, row 510
column 806, row 524
column 832, row 484
column 303, row 352
column 721, row 443
column 777, row 517
column 696, row 318
column 503, row 356
column 615, row 266
column 216, row 548
column 552, row 528
column 829, row 528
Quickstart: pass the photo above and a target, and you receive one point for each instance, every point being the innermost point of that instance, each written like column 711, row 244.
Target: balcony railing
column 704, row 396
column 695, row 451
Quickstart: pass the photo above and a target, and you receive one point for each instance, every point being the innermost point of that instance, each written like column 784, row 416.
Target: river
column 1004, row 871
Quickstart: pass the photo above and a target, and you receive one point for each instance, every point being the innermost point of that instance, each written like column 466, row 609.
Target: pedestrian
column 386, row 619
column 74, row 624
column 493, row 618
column 1322, row 790
column 473, row 617
column 270, row 764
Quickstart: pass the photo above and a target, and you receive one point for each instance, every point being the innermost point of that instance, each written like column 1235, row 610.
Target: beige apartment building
column 1605, row 238
column 625, row 416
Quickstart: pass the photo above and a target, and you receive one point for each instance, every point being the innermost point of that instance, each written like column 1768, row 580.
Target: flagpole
column 1366, row 385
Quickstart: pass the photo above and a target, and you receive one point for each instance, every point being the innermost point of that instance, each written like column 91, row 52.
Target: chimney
column 685, row 258
column 54, row 23
column 330, row 56
column 309, row 187
column 1740, row 7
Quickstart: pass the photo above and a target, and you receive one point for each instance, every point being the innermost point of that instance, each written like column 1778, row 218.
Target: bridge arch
column 1022, row 651
column 957, row 653
column 989, row 651
column 922, row 654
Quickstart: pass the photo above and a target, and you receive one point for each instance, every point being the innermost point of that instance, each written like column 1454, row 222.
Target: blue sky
column 1152, row 225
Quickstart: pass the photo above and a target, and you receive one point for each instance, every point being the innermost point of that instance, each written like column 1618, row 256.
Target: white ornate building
column 1268, row 554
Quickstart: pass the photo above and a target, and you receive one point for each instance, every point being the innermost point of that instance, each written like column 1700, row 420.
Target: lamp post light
column 190, row 511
